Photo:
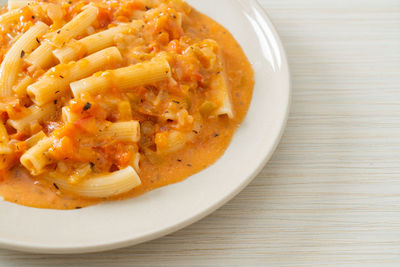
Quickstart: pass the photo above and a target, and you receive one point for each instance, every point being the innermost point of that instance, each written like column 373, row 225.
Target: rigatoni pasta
column 103, row 100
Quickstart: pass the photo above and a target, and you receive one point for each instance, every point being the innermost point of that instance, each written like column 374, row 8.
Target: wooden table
column 331, row 194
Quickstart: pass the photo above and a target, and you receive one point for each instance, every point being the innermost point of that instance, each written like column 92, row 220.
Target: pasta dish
column 108, row 99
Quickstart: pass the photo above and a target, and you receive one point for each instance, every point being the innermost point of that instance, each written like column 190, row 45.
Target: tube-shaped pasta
column 43, row 56
column 56, row 81
column 9, row 17
column 34, row 139
column 106, row 185
column 14, row 4
column 37, row 115
column 20, row 88
column 128, row 131
column 123, row 79
column 3, row 134
column 93, row 43
column 77, row 26
column 35, row 159
column 4, row 148
column 13, row 59
column 219, row 94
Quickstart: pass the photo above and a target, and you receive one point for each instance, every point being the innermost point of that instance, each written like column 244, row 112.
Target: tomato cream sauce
column 158, row 171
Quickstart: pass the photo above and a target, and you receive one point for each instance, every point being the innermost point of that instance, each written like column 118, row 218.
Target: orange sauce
column 210, row 144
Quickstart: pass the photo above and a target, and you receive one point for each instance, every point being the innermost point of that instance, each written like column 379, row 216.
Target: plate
column 163, row 211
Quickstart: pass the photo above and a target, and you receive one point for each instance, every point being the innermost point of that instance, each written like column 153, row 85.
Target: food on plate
column 105, row 100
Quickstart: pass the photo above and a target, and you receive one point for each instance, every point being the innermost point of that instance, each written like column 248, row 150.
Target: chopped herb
column 87, row 106
column 91, row 164
column 196, row 132
column 174, row 16
column 179, row 160
column 58, row 32
column 176, row 102
column 22, row 53
column 147, row 8
column 33, row 17
column 169, row 120
column 37, row 40
column 189, row 165
column 216, row 135
column 62, row 77
column 55, row 102
column 57, row 92
column 78, row 208
column 166, row 112
column 70, row 2
column 56, row 186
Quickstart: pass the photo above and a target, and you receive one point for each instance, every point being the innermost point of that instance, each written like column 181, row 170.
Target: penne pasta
column 4, row 139
column 77, row 26
column 123, row 79
column 55, row 83
column 102, row 186
column 9, row 17
column 13, row 59
column 36, row 115
column 124, row 131
column 43, row 56
column 20, row 88
column 95, row 42
column 219, row 94
column 35, row 159
column 15, row 4
column 34, row 139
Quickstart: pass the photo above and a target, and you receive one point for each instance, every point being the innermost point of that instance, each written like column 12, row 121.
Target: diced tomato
column 87, row 124
column 104, row 17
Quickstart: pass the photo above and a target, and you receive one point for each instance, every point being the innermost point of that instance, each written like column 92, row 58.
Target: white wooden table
column 331, row 194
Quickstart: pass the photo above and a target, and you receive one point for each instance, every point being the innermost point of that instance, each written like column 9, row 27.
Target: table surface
column 331, row 193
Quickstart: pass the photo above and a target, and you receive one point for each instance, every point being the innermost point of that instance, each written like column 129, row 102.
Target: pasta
column 13, row 59
column 36, row 115
column 4, row 139
column 124, row 78
column 43, row 56
column 93, row 43
column 107, row 185
column 35, row 159
column 123, row 131
column 105, row 100
column 56, row 81
column 15, row 4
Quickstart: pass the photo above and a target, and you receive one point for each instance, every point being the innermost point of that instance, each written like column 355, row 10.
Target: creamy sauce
column 210, row 145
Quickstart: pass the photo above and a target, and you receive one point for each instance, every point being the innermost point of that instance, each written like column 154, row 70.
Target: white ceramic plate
column 163, row 211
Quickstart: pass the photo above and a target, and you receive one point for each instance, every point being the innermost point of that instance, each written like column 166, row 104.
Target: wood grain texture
column 331, row 194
